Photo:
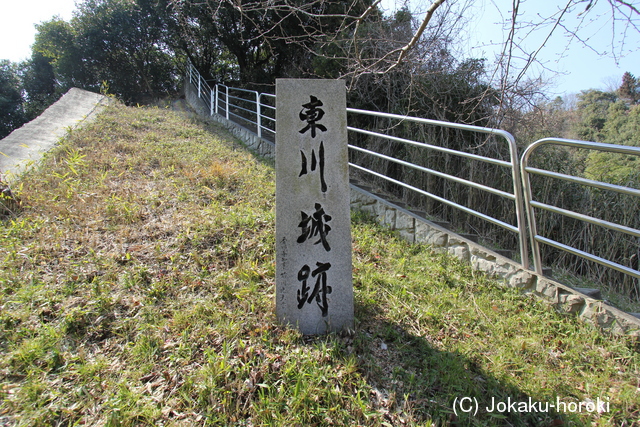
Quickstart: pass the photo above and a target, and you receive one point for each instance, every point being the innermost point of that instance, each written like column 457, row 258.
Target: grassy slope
column 136, row 288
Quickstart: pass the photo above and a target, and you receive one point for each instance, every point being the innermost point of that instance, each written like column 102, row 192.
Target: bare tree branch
column 418, row 34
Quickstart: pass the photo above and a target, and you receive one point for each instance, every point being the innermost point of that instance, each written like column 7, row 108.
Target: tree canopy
column 11, row 108
column 136, row 50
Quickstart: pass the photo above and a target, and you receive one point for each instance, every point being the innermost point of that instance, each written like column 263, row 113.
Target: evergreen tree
column 622, row 127
column 39, row 84
column 12, row 113
column 629, row 90
column 593, row 107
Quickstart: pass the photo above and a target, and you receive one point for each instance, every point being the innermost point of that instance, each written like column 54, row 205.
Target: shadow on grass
column 415, row 382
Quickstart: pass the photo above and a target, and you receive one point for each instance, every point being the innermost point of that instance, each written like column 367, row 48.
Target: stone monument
column 314, row 290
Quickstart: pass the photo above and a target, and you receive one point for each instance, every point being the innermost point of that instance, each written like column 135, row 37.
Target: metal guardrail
column 257, row 111
column 513, row 164
column 532, row 204
column 248, row 108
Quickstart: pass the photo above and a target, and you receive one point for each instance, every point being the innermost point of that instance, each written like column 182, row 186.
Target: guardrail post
column 217, row 95
column 258, row 116
column 520, row 202
column 199, row 86
column 211, row 102
column 227, row 101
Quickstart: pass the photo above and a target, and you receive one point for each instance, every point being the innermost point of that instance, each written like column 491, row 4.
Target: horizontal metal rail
column 244, row 90
column 589, row 256
column 244, row 100
column 530, row 203
column 439, row 199
column 434, row 172
column 586, row 218
column 236, row 106
column 432, row 147
column 269, row 118
column 584, row 181
column 516, row 197
column 225, row 103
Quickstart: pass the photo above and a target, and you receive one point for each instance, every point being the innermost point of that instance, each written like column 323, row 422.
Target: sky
column 581, row 67
column 17, row 20
column 569, row 66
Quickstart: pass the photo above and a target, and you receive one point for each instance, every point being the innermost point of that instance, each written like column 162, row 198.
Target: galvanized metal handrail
column 222, row 96
column 221, row 102
column 513, row 165
column 261, row 116
column 536, row 239
column 431, row 171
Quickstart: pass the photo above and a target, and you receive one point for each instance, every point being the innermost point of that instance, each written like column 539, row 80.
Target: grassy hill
column 137, row 288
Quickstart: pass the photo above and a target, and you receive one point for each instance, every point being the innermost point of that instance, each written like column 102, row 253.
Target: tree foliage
column 119, row 44
column 56, row 41
column 621, row 127
column 265, row 40
column 39, row 84
column 11, row 110
column 123, row 44
column 593, row 107
column 630, row 88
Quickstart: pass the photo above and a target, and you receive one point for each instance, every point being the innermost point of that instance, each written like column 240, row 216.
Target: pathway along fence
column 468, row 175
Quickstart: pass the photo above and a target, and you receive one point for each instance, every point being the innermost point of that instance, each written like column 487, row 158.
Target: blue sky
column 582, row 68
column 570, row 65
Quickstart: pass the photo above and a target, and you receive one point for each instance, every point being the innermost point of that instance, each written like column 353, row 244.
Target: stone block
column 480, row 263
column 571, row 303
column 521, row 279
column 314, row 290
column 388, row 216
column 461, row 251
column 547, row 289
column 368, row 209
column 430, row 235
column 380, row 211
column 479, row 251
column 405, row 222
column 408, row 235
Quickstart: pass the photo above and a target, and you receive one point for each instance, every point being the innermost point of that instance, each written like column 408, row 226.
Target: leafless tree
column 349, row 33
column 576, row 21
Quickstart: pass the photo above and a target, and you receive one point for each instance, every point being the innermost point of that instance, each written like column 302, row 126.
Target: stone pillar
column 314, row 290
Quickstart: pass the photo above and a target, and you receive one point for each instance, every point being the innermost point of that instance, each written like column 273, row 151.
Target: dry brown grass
column 137, row 288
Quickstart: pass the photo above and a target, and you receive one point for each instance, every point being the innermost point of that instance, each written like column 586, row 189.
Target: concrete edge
column 23, row 165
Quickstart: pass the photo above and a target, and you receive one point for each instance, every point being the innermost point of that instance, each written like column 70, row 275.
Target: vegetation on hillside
column 137, row 288
column 137, row 50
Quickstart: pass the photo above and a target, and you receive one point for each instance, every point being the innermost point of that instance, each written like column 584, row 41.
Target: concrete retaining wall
column 26, row 145
column 416, row 229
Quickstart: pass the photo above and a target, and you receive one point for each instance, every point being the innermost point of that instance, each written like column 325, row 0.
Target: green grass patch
column 137, row 288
